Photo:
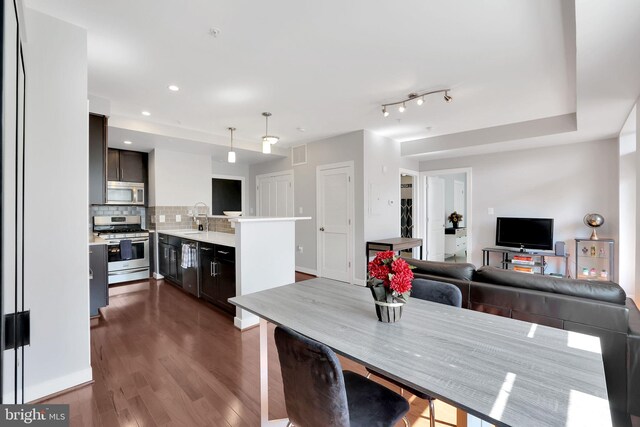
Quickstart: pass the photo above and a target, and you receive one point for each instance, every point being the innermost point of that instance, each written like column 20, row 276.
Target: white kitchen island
column 265, row 257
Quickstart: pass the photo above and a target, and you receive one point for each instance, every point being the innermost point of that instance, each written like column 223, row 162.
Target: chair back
column 440, row 292
column 314, row 389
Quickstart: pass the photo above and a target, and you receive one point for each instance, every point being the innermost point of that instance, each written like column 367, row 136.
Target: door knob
column 321, row 228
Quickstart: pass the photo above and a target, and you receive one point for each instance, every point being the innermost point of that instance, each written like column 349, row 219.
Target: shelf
column 536, row 264
column 594, row 278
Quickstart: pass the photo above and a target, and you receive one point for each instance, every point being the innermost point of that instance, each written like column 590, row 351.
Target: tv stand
column 535, row 263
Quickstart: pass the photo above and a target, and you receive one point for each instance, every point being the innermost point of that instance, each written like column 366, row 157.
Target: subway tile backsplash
column 170, row 213
column 104, row 210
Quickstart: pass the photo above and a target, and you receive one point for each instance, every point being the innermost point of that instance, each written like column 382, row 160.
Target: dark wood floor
column 161, row 357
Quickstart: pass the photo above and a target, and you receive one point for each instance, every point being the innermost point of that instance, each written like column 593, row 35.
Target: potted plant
column 455, row 219
column 390, row 280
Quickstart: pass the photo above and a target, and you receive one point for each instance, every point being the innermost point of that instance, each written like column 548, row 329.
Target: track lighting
column 418, row 97
column 267, row 140
column 231, row 157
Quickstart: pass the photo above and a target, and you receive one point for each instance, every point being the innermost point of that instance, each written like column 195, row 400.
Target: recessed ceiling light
column 301, row 129
column 146, row 113
column 128, row 142
column 174, row 88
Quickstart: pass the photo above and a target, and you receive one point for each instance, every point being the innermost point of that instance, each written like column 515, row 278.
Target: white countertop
column 266, row 218
column 224, row 239
column 95, row 240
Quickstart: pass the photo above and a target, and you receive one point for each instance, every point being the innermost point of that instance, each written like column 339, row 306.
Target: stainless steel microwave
column 125, row 193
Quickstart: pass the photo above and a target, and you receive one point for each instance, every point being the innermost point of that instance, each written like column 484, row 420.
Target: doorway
column 447, row 198
column 409, row 209
column 334, row 206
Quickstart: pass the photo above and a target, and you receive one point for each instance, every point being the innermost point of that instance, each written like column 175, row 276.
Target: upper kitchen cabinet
column 126, row 166
column 97, row 159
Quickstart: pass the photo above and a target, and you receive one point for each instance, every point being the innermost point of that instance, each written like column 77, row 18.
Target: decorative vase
column 455, row 224
column 389, row 312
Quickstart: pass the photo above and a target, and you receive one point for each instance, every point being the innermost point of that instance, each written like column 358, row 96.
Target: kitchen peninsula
column 260, row 255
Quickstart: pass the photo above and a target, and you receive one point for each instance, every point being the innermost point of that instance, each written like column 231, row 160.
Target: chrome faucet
column 197, row 215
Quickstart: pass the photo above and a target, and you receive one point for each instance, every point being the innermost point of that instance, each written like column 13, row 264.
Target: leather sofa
column 595, row 308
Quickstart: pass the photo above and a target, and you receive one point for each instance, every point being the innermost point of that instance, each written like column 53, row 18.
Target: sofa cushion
column 460, row 271
column 601, row 291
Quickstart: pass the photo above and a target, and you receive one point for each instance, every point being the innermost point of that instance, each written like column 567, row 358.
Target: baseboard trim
column 61, row 392
column 245, row 324
column 58, row 385
column 305, row 270
column 360, row 282
column 158, row 276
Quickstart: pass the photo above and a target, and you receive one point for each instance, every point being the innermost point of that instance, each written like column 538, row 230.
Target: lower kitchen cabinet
column 218, row 275
column 98, row 279
column 169, row 258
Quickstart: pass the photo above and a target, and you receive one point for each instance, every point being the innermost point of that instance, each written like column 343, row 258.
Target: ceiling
column 324, row 68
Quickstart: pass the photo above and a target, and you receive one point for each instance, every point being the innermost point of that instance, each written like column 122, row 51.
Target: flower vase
column 389, row 312
column 455, row 224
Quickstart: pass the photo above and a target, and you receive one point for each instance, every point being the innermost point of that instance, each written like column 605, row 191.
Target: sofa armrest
column 633, row 359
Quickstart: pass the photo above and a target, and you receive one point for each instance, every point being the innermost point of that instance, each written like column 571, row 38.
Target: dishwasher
column 189, row 267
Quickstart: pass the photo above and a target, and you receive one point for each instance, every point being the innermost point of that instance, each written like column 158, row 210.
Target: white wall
column 182, row 179
column 57, row 186
column 564, row 183
column 342, row 148
column 381, row 184
column 628, row 210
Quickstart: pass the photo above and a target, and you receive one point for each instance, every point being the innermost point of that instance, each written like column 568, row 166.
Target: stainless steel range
column 128, row 247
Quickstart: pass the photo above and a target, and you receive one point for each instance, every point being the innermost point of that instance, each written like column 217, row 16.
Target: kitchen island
column 260, row 255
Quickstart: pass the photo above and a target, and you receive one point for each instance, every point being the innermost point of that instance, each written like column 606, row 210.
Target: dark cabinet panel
column 208, row 288
column 113, row 165
column 97, row 159
column 98, row 283
column 133, row 166
column 126, row 166
column 226, row 274
column 169, row 260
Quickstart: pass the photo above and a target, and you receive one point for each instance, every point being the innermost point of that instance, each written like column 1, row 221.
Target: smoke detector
column 214, row 32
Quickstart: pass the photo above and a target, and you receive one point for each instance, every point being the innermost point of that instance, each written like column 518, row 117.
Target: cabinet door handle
column 223, row 252
column 214, row 269
column 166, row 252
column 205, row 249
column 90, row 274
column 121, row 173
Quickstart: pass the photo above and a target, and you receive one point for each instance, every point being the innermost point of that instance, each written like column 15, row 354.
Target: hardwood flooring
column 163, row 358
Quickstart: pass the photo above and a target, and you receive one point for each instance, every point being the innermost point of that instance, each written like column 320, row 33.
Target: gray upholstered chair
column 442, row 293
column 318, row 393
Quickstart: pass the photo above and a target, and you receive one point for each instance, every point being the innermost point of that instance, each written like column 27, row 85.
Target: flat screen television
column 525, row 233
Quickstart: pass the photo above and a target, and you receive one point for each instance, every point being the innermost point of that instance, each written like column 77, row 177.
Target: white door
column 335, row 207
column 435, row 218
column 459, row 199
column 275, row 195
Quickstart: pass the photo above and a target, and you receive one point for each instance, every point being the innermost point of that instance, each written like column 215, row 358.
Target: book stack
column 522, row 260
column 522, row 269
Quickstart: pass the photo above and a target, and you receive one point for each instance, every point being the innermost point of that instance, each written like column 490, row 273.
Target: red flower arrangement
column 390, row 277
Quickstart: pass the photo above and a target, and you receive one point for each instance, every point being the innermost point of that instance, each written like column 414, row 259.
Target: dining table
column 498, row 370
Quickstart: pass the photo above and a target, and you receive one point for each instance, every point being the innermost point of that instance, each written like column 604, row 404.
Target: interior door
column 435, row 218
column 459, row 200
column 335, row 207
column 275, row 195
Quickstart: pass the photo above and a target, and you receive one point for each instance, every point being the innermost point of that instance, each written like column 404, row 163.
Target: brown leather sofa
column 595, row 308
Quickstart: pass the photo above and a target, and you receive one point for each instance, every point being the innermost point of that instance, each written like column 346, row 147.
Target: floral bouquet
column 455, row 218
column 390, row 278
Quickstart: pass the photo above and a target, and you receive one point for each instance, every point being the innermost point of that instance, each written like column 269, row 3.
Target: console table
column 539, row 259
column 396, row 245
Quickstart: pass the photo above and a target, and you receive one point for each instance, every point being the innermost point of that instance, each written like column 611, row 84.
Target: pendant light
column 231, row 157
column 267, row 140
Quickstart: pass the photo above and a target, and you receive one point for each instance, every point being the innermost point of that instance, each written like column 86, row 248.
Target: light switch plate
column 178, row 218
column 161, row 218
column 300, row 209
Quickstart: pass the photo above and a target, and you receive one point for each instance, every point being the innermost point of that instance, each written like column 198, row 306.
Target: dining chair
column 441, row 293
column 318, row 393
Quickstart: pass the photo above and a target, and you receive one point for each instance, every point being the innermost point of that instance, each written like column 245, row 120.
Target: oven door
column 139, row 252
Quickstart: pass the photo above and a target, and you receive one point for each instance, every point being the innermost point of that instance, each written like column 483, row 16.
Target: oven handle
column 117, row 242
column 136, row 270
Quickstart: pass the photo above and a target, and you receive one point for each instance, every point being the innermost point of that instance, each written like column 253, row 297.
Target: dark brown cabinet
column 126, row 166
column 169, row 258
column 98, row 279
column 218, row 275
column 97, row 159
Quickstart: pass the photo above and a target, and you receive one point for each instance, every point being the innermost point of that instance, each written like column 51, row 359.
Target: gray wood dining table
column 504, row 371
